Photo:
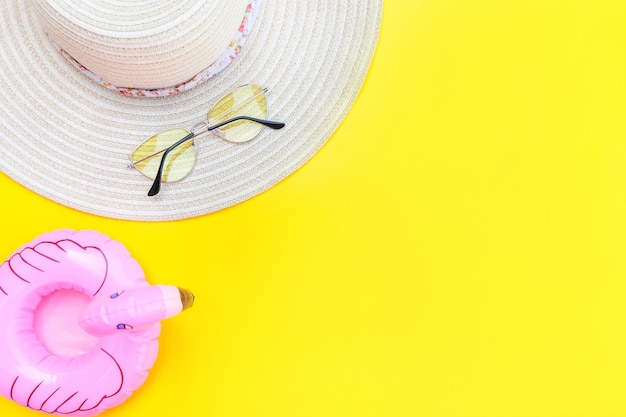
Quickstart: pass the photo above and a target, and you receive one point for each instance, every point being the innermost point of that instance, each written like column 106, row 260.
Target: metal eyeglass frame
column 156, row 185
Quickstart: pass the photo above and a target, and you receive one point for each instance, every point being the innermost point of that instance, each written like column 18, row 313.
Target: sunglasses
column 237, row 117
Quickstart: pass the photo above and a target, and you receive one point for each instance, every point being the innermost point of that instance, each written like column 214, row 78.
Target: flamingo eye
column 117, row 294
column 123, row 326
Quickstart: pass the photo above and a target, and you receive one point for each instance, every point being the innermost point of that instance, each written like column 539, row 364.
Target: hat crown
column 147, row 44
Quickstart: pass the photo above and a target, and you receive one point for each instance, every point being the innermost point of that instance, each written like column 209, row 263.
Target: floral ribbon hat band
column 184, row 82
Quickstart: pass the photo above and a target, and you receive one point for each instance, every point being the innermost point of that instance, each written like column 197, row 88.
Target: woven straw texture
column 147, row 44
column 68, row 138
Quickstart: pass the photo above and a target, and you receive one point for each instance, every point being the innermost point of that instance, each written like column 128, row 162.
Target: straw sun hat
column 83, row 82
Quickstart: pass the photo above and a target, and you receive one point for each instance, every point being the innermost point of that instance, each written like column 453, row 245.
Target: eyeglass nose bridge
column 199, row 126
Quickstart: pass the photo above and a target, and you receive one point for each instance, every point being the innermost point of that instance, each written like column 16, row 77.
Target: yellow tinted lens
column 248, row 100
column 179, row 162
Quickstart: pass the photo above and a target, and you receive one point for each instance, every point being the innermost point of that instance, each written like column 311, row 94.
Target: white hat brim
column 67, row 138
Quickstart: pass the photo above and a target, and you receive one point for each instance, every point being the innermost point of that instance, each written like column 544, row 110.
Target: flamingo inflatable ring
column 79, row 323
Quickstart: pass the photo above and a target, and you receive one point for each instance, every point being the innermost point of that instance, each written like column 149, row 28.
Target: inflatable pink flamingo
column 79, row 323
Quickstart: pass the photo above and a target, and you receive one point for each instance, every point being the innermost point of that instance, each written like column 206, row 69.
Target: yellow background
column 456, row 249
